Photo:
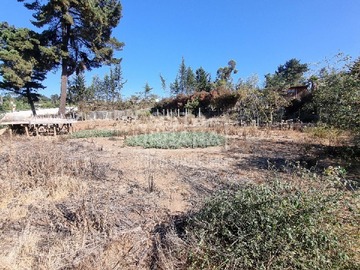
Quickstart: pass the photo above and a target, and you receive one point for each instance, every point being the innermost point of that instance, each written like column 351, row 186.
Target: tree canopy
column 289, row 74
column 25, row 59
column 81, row 31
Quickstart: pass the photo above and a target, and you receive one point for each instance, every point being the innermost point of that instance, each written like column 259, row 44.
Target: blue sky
column 259, row 35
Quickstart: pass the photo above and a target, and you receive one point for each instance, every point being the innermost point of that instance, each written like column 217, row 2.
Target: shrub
column 176, row 140
column 276, row 226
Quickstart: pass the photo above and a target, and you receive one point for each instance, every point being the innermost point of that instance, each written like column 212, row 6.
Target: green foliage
column 192, row 104
column 203, row 80
column 77, row 91
column 251, row 101
column 17, row 102
column 190, row 81
column 271, row 226
column 147, row 90
column 180, row 85
column 109, row 88
column 81, row 31
column 287, row 75
column 277, row 84
column 224, row 74
column 163, row 82
column 176, row 140
column 325, row 132
column 95, row 133
column 336, row 98
column 24, row 61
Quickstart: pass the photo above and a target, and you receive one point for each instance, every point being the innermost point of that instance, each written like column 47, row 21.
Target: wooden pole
column 10, row 131
column 27, row 131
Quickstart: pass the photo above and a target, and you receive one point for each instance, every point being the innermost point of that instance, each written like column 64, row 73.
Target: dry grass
column 96, row 204
column 69, row 204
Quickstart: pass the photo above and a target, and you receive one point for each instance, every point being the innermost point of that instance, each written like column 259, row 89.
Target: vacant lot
column 94, row 203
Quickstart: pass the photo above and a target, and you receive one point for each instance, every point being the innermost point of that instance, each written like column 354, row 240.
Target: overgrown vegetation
column 94, row 204
column 307, row 224
column 175, row 140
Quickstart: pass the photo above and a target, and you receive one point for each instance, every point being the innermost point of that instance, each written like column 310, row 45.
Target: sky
column 259, row 35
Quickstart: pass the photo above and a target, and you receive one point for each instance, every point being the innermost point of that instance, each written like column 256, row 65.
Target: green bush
column 276, row 226
column 176, row 140
column 94, row 133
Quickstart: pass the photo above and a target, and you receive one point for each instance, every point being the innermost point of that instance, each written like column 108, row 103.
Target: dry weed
column 95, row 204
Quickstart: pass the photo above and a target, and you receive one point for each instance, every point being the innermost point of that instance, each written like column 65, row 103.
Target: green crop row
column 176, row 140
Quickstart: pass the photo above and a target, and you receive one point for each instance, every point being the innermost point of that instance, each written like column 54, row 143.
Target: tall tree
column 276, row 86
column 116, row 83
column 190, row 81
column 175, row 87
column 180, row 85
column 182, row 76
column 224, row 74
column 287, row 75
column 77, row 91
column 147, row 90
column 202, row 80
column 81, row 31
column 24, row 61
column 163, row 82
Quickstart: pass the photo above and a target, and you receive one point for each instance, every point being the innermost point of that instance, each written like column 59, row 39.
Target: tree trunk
column 31, row 102
column 63, row 89
column 64, row 68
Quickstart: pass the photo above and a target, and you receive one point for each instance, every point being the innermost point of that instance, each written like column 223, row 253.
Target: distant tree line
column 330, row 96
column 76, row 36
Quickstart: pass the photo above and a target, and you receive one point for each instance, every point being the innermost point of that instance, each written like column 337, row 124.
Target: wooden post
column 10, row 132
column 54, row 130
column 27, row 131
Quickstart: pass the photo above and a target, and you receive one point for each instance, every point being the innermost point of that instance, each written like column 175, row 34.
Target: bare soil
column 96, row 204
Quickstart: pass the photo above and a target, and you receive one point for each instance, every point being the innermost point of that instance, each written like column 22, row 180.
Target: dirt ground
column 95, row 203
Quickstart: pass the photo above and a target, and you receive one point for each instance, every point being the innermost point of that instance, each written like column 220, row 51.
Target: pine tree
column 202, row 80
column 147, row 90
column 77, row 91
column 116, row 83
column 190, row 81
column 182, row 77
column 24, row 61
column 81, row 32
column 287, row 75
